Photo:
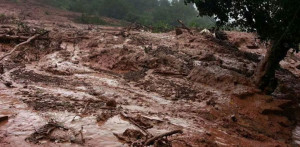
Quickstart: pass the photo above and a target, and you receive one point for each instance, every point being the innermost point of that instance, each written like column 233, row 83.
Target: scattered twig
column 152, row 140
column 82, row 111
column 81, row 135
column 23, row 43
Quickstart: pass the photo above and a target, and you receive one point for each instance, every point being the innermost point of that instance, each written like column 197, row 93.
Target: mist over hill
column 157, row 13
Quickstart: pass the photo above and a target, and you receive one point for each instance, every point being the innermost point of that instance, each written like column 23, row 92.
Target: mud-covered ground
column 102, row 86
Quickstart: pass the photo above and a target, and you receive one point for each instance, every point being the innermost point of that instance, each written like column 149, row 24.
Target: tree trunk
column 265, row 73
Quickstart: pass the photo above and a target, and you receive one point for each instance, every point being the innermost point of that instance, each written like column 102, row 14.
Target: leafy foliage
column 87, row 19
column 275, row 20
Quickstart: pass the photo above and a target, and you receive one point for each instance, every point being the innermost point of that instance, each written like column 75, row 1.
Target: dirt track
column 75, row 89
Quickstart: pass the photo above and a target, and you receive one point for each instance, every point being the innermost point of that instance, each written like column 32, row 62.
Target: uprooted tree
column 275, row 21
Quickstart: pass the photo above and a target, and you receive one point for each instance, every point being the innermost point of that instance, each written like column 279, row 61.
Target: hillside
column 89, row 85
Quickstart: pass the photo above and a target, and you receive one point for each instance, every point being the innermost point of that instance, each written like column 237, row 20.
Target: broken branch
column 8, row 37
column 134, row 123
column 23, row 43
column 152, row 140
column 185, row 27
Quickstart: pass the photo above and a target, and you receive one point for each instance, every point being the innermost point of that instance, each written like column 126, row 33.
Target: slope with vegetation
column 160, row 14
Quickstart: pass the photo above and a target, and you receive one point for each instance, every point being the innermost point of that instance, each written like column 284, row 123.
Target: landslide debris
column 186, row 83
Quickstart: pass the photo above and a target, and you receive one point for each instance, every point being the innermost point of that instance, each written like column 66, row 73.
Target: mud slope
column 103, row 86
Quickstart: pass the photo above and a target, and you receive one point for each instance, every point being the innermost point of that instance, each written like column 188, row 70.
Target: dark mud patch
column 105, row 115
column 43, row 101
column 44, row 133
column 217, row 77
column 56, row 133
column 26, row 76
column 30, row 77
column 169, row 89
column 131, row 136
column 135, row 75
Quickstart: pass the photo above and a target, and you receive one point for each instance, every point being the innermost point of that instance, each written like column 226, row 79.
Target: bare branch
column 151, row 140
column 23, row 43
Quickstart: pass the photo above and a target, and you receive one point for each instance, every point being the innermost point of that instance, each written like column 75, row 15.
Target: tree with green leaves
column 277, row 21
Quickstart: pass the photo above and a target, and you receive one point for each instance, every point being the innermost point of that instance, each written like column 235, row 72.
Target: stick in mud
column 134, row 123
column 185, row 27
column 81, row 134
column 152, row 140
column 23, row 43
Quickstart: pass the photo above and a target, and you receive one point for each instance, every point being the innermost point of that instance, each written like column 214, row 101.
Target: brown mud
column 73, row 88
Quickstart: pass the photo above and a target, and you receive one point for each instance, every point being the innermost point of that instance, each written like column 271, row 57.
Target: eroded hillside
column 83, row 85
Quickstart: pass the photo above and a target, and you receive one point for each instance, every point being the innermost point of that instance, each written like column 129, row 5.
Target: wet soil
column 74, row 92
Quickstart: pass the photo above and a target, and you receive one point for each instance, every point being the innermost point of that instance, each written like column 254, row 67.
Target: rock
column 243, row 93
column 208, row 57
column 233, row 118
column 130, row 136
column 298, row 66
column 93, row 44
column 178, row 31
column 221, row 35
column 133, row 134
column 205, row 31
column 3, row 118
column 104, row 116
column 162, row 143
column 111, row 103
column 8, row 84
column 211, row 102
column 1, row 69
column 75, row 62
column 252, row 46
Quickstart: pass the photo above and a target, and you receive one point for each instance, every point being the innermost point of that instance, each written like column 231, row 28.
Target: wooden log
column 23, row 43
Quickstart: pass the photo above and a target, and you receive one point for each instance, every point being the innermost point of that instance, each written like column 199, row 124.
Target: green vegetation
column 88, row 19
column 162, row 15
column 277, row 21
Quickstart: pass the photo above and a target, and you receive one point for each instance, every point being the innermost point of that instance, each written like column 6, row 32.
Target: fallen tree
column 22, row 44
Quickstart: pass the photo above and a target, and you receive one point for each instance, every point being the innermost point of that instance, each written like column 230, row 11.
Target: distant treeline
column 156, row 13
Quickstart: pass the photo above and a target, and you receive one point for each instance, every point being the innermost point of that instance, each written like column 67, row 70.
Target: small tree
column 277, row 21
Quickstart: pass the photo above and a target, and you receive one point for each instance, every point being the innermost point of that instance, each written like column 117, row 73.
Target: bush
column 162, row 27
column 87, row 19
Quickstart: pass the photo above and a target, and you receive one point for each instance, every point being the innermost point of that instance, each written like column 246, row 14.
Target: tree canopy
column 276, row 20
